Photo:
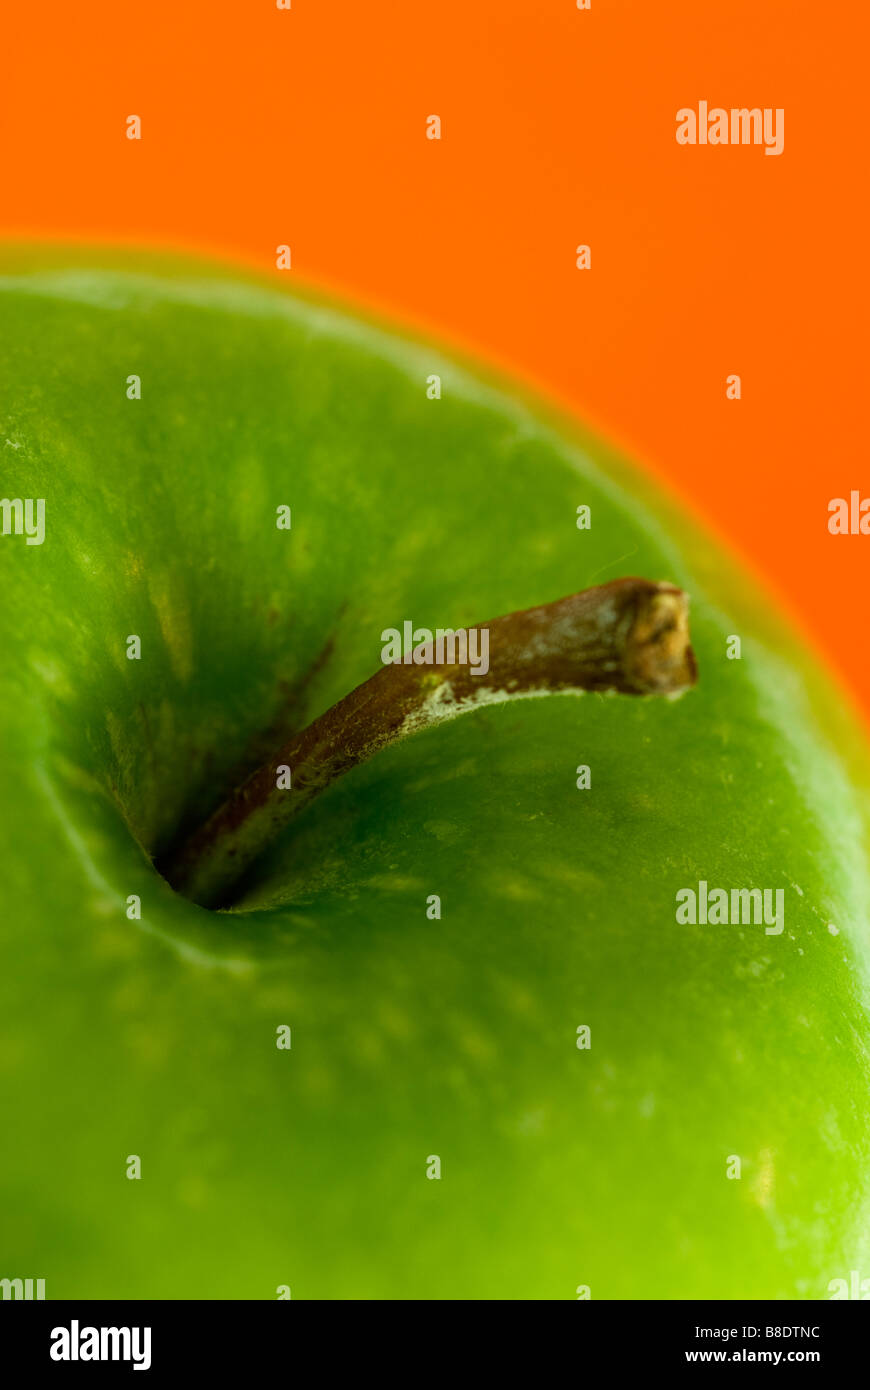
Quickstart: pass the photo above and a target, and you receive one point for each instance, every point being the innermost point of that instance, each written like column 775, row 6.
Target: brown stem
column 630, row 636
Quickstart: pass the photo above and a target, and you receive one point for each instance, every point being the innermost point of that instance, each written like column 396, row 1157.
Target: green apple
column 711, row 1140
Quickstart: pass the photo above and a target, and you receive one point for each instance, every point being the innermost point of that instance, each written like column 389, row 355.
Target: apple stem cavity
column 630, row 636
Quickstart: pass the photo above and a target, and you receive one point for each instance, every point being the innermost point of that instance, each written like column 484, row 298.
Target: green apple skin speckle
column 411, row 1037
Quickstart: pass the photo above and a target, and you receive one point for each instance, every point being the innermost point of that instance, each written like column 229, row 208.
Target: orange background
column 307, row 126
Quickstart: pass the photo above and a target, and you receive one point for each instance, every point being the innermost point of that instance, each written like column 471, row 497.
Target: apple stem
column 629, row 636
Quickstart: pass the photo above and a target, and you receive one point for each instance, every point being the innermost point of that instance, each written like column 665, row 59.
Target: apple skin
column 410, row 1037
